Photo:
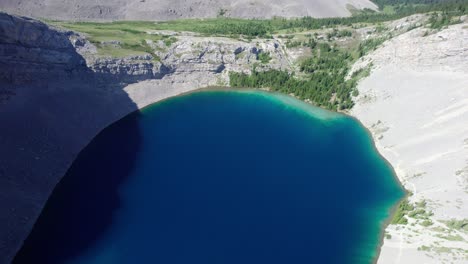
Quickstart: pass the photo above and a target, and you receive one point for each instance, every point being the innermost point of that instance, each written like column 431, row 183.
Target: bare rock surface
column 174, row 9
column 29, row 50
column 189, row 54
column 415, row 102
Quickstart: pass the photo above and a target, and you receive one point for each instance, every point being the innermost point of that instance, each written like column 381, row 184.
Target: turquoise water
column 220, row 177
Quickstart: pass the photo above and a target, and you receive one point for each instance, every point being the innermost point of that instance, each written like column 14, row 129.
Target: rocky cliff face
column 29, row 51
column 218, row 54
column 189, row 54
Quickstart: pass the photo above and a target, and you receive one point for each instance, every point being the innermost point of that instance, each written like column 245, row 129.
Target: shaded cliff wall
column 30, row 51
column 51, row 106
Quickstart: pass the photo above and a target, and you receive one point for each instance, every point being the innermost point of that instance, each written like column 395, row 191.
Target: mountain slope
column 173, row 9
column 415, row 102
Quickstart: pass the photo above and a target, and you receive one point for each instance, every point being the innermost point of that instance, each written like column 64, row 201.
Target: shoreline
column 414, row 104
column 146, row 93
column 394, row 208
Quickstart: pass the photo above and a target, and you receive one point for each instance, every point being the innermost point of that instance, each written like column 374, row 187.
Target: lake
column 220, row 177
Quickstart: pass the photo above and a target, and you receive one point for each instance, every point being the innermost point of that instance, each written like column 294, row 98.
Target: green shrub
column 458, row 224
column 264, row 57
column 402, row 210
column 427, row 223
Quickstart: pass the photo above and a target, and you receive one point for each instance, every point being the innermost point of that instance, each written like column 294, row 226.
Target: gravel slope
column 174, row 9
column 415, row 102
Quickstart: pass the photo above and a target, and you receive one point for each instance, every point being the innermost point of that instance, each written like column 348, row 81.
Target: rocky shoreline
column 415, row 104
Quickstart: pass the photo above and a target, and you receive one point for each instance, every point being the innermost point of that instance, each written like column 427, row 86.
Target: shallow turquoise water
column 220, row 177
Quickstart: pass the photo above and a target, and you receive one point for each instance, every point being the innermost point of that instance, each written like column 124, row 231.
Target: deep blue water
column 220, row 177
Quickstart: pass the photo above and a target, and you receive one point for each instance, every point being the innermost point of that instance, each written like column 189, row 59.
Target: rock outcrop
column 217, row 54
column 29, row 51
column 189, row 54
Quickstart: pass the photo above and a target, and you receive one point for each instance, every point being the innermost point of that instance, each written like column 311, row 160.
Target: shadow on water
column 71, row 103
column 289, row 202
column 72, row 221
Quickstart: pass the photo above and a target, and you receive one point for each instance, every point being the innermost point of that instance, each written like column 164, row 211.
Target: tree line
column 322, row 82
column 264, row 28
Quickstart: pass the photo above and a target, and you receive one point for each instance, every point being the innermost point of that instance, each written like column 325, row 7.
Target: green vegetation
column 438, row 21
column 427, row 223
column 322, row 78
column 461, row 225
column 380, row 28
column 265, row 27
column 402, row 210
column 293, row 44
column 264, row 57
column 399, row 9
column 388, row 9
column 322, row 82
column 220, row 26
column 451, row 237
column 424, row 248
column 335, row 33
column 311, row 43
column 222, row 12
column 369, row 45
column 362, row 73
column 422, row 203
column 132, row 34
column 440, row 250
column 214, row 26
column 445, row 12
column 415, row 211
column 420, row 212
column 118, row 39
